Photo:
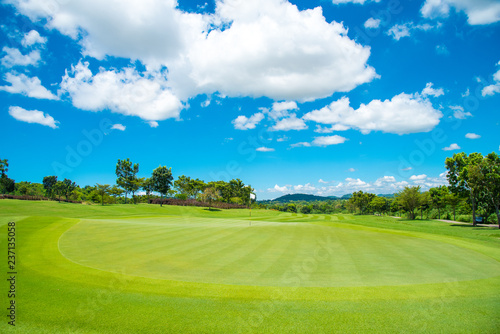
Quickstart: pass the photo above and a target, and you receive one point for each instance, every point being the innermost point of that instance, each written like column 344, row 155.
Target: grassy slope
column 57, row 295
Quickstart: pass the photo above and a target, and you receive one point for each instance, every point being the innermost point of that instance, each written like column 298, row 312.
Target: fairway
column 145, row 268
column 225, row 251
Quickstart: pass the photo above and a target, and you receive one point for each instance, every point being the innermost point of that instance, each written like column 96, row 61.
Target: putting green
column 226, row 251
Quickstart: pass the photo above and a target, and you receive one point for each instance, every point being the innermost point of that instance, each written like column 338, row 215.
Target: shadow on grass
column 212, row 209
column 476, row 227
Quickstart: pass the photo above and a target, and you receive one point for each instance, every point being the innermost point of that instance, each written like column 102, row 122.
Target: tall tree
column 68, row 187
column 210, row 195
column 147, row 186
column 59, row 189
column 103, row 190
column 409, row 198
column 136, row 184
column 438, row 198
column 116, row 191
column 453, row 200
column 162, row 180
column 4, row 167
column 48, row 183
column 464, row 178
column 490, row 167
column 126, row 175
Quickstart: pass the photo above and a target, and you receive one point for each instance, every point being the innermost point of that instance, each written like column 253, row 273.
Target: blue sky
column 320, row 97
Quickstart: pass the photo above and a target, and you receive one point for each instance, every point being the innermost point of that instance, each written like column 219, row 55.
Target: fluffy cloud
column 126, row 92
column 14, row 57
column 429, row 91
column 472, row 136
column 399, row 31
column 33, row 116
column 361, row 2
column 245, row 123
column 32, row 38
column 478, row 12
column 322, row 141
column 120, row 127
column 284, row 189
column 272, row 49
column 494, row 88
column 246, row 48
column 264, row 149
column 452, row 147
column 290, row 123
column 418, row 177
column 31, row 87
column 372, row 23
column 403, row 114
column 459, row 112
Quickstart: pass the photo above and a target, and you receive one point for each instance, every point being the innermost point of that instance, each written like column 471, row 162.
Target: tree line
column 159, row 185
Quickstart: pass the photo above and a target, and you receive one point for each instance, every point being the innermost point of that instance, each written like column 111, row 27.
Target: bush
column 193, row 202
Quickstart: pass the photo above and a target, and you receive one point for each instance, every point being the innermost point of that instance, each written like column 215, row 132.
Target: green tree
column 59, row 189
column 4, row 167
column 126, row 175
column 409, row 198
column 209, row 196
column 116, row 192
column 453, row 200
column 162, row 180
column 48, row 183
column 464, row 178
column 425, row 203
column 68, row 187
column 103, row 190
column 378, row 204
column 490, row 167
column 136, row 184
column 147, row 186
column 7, row 185
column 438, row 198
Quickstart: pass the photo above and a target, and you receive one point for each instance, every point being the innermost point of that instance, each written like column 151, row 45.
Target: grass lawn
column 151, row 269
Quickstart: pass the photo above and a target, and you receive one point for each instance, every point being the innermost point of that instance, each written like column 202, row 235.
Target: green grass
column 142, row 268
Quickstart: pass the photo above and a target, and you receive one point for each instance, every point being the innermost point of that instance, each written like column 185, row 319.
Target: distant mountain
column 302, row 197
column 312, row 198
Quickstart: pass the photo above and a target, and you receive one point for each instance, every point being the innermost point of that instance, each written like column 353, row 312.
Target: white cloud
column 472, row 136
column 429, row 91
column 407, row 168
column 322, row 141
column 270, row 48
column 361, row 2
column 14, row 57
column 351, row 170
column 452, row 147
column 478, row 12
column 399, row 31
column 459, row 112
column 384, row 181
column 32, row 38
column 290, row 123
column 120, row 127
column 244, row 123
column 328, row 140
column 282, row 139
column 31, row 87
column 153, row 124
column 322, row 181
column 126, row 92
column 306, row 188
column 442, row 50
column 264, row 149
column 333, row 128
column 33, row 116
column 277, row 188
column 287, row 105
column 372, row 23
column 403, row 114
column 494, row 88
column 418, row 177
